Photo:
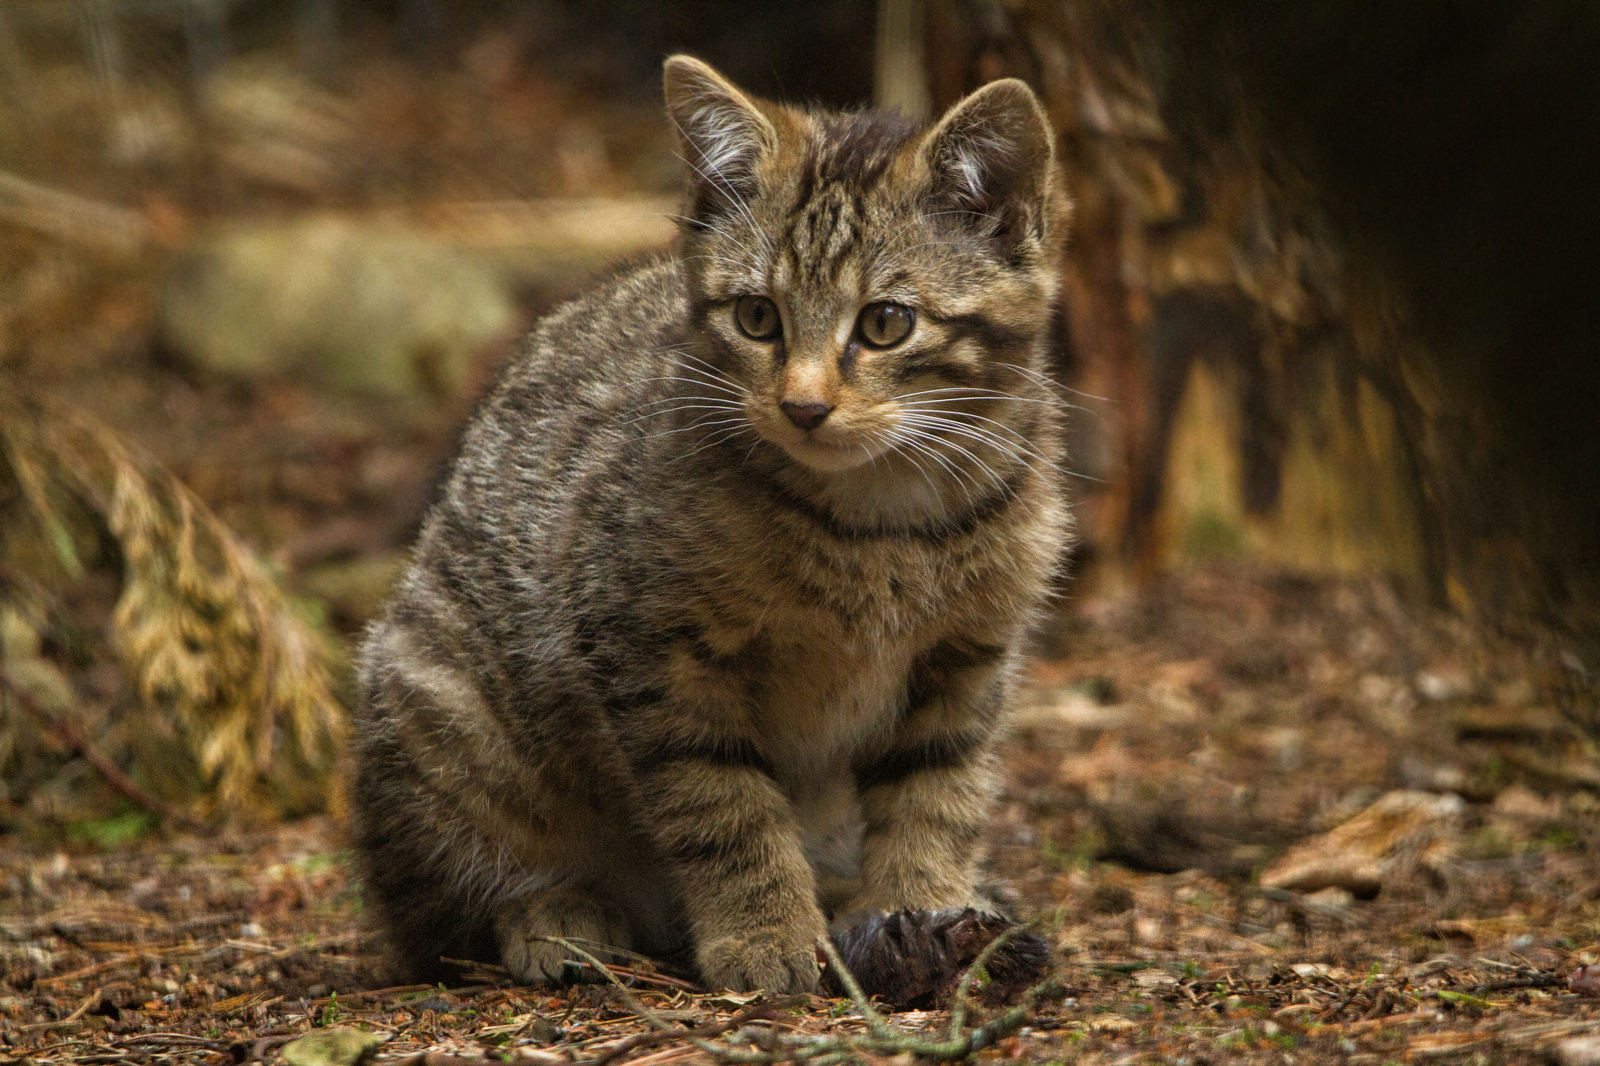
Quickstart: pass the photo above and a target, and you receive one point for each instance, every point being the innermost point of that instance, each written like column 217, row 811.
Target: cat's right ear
column 724, row 133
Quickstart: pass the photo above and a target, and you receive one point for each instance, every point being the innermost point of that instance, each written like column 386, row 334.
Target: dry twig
column 747, row 1047
column 121, row 782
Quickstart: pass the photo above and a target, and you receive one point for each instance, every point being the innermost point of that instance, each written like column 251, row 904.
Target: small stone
column 542, row 1031
column 1518, row 801
column 1332, row 896
column 1110, row 899
column 1147, row 930
column 1577, row 1051
column 1443, row 683
column 1154, row 978
column 331, row 1047
column 336, row 305
column 1585, row 980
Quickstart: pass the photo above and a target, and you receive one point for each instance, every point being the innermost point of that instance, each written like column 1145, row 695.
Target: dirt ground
column 1258, row 817
column 1187, row 739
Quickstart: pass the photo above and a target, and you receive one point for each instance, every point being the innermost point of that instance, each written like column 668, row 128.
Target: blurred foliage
column 220, row 660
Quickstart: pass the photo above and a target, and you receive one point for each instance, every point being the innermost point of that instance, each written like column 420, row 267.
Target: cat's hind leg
column 455, row 815
column 574, row 912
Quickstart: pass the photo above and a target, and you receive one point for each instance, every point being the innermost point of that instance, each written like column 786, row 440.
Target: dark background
column 1460, row 140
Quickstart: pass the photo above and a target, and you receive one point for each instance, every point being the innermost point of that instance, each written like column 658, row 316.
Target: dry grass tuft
column 209, row 641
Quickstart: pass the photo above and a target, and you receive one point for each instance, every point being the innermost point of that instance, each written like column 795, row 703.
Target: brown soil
column 1200, row 729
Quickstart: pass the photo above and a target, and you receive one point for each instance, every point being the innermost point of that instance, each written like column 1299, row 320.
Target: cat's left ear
column 992, row 155
column 724, row 133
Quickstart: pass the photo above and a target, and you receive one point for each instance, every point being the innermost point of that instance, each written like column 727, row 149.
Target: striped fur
column 671, row 672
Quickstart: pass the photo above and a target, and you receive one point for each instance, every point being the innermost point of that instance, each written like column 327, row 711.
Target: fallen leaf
column 331, row 1047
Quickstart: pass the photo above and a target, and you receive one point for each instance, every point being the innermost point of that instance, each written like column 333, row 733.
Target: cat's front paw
column 774, row 961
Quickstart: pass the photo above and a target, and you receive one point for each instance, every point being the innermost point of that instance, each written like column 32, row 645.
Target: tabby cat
column 710, row 635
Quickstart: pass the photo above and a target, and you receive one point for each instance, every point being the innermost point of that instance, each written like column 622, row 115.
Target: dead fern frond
column 207, row 636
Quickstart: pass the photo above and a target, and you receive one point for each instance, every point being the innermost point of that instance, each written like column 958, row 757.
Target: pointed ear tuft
column 992, row 155
column 724, row 133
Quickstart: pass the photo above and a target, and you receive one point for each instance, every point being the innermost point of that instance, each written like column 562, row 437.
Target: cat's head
column 860, row 280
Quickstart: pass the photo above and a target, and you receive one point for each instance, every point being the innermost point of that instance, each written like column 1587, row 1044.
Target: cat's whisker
column 1024, row 455
column 698, row 420
column 692, row 427
column 1026, row 458
column 727, row 402
column 720, row 438
column 719, row 231
column 709, row 374
column 690, row 381
column 716, row 178
column 968, row 417
column 945, row 433
column 1034, row 456
column 968, row 453
column 707, row 368
column 929, row 419
column 736, row 265
column 911, row 448
column 919, row 220
column 975, row 394
column 729, row 409
column 706, row 363
column 1051, row 385
column 722, row 385
column 723, row 401
column 899, row 257
column 918, row 440
column 888, row 442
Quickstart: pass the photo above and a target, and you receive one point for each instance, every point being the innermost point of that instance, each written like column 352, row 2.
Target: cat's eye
column 757, row 317
column 884, row 325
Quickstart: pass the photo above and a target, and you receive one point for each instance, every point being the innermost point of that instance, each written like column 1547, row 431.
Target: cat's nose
column 806, row 415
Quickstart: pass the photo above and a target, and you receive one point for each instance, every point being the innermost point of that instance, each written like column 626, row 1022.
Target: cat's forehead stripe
column 844, row 160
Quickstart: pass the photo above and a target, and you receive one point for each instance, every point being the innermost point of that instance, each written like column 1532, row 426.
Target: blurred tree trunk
column 900, row 74
column 1254, row 383
column 16, row 74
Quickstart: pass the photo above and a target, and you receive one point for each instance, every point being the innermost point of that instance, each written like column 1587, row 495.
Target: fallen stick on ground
column 121, row 782
column 72, row 218
column 767, row 1048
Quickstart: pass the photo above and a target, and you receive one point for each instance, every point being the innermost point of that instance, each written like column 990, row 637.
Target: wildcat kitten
column 713, row 629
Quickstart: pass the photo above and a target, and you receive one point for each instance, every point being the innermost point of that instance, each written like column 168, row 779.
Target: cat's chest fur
column 833, row 625
column 822, row 705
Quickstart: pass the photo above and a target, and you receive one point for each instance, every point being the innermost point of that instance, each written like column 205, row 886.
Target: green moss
column 114, row 832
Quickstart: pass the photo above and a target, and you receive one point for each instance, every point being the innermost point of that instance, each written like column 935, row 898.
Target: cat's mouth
column 826, row 449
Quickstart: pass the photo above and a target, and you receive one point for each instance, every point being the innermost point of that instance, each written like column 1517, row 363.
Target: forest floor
column 1258, row 818
column 1190, row 738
